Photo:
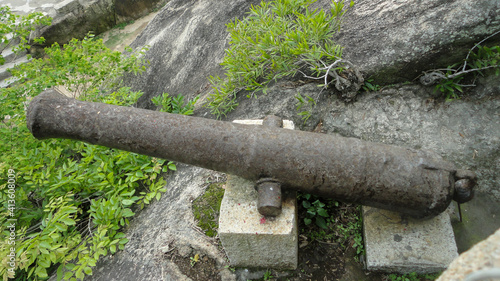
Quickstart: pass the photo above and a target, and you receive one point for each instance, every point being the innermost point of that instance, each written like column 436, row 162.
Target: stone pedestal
column 404, row 245
column 250, row 239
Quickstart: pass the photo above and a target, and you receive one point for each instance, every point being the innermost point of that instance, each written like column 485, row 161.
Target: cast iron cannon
column 414, row 182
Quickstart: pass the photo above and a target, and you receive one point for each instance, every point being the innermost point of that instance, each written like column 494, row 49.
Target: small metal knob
column 269, row 198
column 464, row 186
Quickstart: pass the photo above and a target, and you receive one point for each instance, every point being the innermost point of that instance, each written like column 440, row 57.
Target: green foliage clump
column 484, row 58
column 278, row 39
column 315, row 210
column 206, row 209
column 448, row 80
column 307, row 102
column 16, row 30
column 334, row 222
column 353, row 229
column 71, row 199
column 369, row 86
column 174, row 104
column 86, row 68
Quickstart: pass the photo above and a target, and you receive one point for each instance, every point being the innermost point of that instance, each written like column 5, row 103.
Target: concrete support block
column 250, row 239
column 404, row 245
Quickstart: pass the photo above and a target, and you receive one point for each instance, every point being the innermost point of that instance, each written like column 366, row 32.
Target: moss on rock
column 206, row 208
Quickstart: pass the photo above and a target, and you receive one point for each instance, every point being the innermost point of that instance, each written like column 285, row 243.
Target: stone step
column 252, row 240
column 10, row 56
column 395, row 244
column 5, row 74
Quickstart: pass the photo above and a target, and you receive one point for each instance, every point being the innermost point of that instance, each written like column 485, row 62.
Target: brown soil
column 202, row 270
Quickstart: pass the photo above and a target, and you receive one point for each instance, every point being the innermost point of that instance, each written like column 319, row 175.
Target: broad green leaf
column 321, row 222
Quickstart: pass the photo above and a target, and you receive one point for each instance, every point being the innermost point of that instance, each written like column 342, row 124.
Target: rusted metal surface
column 414, row 182
column 269, row 190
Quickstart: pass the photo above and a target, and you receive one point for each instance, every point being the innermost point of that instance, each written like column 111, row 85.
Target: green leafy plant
column 16, row 31
column 279, row 39
column 175, row 104
column 86, row 68
column 335, row 222
column 307, row 102
column 353, row 229
column 448, row 80
column 71, row 198
column 232, row 269
column 449, row 86
column 268, row 275
column 315, row 210
column 369, row 86
column 194, row 260
column 406, row 277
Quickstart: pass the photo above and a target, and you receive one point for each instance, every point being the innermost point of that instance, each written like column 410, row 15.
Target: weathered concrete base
column 252, row 240
column 404, row 245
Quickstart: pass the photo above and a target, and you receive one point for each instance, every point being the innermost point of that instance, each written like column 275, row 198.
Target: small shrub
column 16, row 31
column 175, row 104
column 278, row 39
column 71, row 198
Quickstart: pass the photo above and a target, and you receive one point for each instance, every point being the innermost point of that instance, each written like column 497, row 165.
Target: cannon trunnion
column 414, row 182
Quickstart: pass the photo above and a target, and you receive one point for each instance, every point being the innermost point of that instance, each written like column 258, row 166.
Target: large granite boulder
column 127, row 10
column 478, row 262
column 187, row 42
column 394, row 41
column 75, row 19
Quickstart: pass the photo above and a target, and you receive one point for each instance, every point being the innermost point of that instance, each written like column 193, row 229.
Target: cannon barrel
column 418, row 183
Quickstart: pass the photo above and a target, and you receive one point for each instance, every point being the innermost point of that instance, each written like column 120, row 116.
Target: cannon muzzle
column 414, row 182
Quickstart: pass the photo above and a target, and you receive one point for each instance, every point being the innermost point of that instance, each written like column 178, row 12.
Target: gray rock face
column 127, row 10
column 75, row 20
column 187, row 42
column 394, row 41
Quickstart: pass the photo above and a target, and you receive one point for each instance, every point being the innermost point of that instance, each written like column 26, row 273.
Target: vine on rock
column 448, row 80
